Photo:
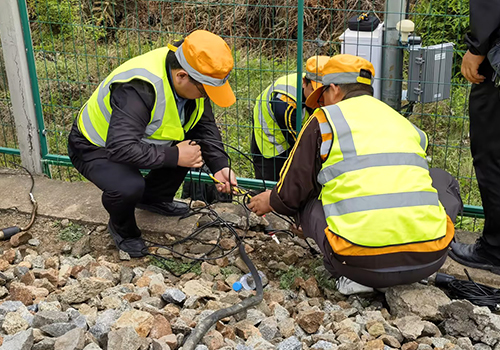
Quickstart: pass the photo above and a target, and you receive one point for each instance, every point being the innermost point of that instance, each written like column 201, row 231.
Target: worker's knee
column 126, row 192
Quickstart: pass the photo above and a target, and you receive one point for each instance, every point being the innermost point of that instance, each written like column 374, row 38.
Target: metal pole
column 16, row 65
column 300, row 53
column 392, row 62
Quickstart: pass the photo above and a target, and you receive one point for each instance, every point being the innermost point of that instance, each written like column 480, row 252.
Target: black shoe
column 175, row 208
column 135, row 247
column 475, row 255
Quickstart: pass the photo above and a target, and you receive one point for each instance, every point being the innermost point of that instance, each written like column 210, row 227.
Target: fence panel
column 77, row 43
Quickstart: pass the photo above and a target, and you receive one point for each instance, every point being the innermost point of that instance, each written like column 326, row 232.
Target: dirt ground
column 260, row 248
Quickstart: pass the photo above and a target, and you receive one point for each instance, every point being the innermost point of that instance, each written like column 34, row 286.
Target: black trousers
column 484, row 112
column 124, row 186
column 313, row 222
column 267, row 168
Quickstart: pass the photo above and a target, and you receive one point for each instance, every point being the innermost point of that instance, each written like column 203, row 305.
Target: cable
column 478, row 294
column 8, row 232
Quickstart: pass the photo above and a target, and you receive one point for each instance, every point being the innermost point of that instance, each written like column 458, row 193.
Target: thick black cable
column 204, row 325
column 478, row 294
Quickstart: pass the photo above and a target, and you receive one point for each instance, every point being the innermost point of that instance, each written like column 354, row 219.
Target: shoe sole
column 158, row 211
column 118, row 239
column 492, row 268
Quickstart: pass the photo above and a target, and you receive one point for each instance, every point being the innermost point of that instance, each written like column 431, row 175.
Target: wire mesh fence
column 77, row 43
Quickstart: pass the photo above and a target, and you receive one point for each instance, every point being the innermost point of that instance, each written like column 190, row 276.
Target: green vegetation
column 72, row 233
column 176, row 265
column 287, row 278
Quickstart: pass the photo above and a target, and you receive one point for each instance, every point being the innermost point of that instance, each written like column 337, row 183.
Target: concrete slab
column 81, row 202
column 76, row 201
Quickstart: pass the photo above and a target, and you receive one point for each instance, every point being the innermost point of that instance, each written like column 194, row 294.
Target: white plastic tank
column 369, row 46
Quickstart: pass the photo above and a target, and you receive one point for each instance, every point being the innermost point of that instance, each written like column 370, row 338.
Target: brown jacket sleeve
column 298, row 181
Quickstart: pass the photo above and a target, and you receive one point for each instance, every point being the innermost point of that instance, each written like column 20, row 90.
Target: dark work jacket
column 132, row 104
column 484, row 26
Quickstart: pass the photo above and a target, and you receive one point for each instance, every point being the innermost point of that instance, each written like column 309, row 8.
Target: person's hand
column 470, row 66
column 297, row 231
column 260, row 204
column 189, row 154
column 227, row 176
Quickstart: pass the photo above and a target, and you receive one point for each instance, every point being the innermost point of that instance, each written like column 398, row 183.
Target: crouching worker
column 144, row 115
column 275, row 118
column 382, row 217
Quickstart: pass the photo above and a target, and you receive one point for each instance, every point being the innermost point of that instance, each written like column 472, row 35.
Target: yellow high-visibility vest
column 268, row 135
column 164, row 126
column 377, row 191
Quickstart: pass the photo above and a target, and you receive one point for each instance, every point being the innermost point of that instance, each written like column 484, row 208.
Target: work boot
column 135, row 247
column 475, row 255
column 348, row 287
column 174, row 208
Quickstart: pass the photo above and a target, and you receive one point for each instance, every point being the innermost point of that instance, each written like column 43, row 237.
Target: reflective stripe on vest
column 164, row 126
column 351, row 177
column 274, row 137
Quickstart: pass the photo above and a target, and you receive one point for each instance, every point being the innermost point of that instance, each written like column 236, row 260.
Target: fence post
column 300, row 53
column 392, row 61
column 16, row 66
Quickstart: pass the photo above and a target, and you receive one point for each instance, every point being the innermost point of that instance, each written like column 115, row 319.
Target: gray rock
column 416, row 299
column 10, row 306
column 81, row 247
column 3, row 279
column 34, row 242
column 255, row 316
column 439, row 342
column 464, row 343
column 269, row 328
column 3, row 291
column 48, row 317
column 463, row 319
column 124, row 255
column 103, row 323
column 14, row 323
column 481, row 346
column 280, row 313
column 58, row 329
column 424, row 347
column 72, row 340
column 20, row 271
column 411, row 327
column 291, row 343
column 126, row 274
column 49, row 306
column 243, row 347
column 92, row 346
column 174, row 295
column 201, row 347
column 124, row 339
column 45, row 344
column 20, row 341
column 258, row 343
column 77, row 318
column 324, row 345
column 158, row 345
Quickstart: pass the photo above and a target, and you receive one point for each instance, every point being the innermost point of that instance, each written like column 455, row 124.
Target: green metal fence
column 74, row 45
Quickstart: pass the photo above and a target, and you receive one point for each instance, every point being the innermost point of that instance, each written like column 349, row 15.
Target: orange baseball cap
column 343, row 69
column 314, row 70
column 207, row 59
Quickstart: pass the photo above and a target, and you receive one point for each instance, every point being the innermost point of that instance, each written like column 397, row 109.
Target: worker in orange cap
column 382, row 217
column 274, row 118
column 144, row 115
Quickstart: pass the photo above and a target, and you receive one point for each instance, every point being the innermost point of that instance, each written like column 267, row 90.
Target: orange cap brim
column 315, row 84
column 312, row 100
column 222, row 96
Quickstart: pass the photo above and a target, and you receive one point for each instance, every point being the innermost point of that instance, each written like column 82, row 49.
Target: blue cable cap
column 237, row 286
